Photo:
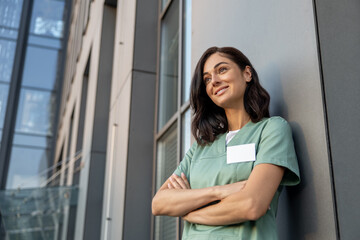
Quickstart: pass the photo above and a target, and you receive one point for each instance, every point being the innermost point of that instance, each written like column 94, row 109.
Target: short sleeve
column 276, row 147
column 184, row 166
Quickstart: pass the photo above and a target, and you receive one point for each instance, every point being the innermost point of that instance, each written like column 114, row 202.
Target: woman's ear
column 247, row 73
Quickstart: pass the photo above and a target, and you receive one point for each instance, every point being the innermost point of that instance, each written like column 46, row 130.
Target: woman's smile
column 221, row 90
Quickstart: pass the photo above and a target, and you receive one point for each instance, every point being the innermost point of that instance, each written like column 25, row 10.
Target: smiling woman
column 225, row 67
column 229, row 182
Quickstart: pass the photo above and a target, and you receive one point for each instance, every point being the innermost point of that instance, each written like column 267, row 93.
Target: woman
column 228, row 184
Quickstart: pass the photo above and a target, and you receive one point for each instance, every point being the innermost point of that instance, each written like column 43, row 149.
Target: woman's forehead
column 215, row 59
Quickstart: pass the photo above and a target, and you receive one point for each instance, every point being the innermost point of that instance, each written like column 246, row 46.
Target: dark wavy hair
column 209, row 120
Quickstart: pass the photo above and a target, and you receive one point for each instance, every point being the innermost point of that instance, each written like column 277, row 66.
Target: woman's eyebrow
column 216, row 65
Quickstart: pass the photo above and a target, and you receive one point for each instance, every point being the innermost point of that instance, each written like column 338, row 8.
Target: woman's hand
column 177, row 182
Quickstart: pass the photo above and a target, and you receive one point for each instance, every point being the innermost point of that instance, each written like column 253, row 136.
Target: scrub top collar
column 222, row 138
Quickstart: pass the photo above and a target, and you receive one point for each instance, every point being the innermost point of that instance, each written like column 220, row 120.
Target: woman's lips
column 220, row 91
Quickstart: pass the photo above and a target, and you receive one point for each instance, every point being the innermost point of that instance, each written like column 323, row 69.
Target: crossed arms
column 238, row 202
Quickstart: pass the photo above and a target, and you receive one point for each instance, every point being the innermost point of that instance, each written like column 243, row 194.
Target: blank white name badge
column 241, row 153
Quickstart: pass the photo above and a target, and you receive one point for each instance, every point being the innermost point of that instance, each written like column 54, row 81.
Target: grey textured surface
column 97, row 158
column 137, row 209
column 339, row 35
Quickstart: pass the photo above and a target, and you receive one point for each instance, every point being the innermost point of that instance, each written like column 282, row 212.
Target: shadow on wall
column 297, row 216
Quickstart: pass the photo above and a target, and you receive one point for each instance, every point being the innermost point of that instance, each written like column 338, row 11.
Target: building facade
column 125, row 117
column 32, row 35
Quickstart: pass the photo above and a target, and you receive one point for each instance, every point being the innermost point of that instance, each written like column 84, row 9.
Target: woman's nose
column 215, row 80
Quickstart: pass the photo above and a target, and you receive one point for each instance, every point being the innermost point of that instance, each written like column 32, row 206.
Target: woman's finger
column 170, row 186
column 179, row 180
column 185, row 180
column 174, row 183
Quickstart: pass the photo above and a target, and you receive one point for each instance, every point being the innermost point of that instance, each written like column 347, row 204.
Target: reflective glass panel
column 46, row 42
column 169, row 61
column 4, row 90
column 40, row 68
column 35, row 112
column 165, row 227
column 7, row 53
column 34, row 213
column 8, row 33
column 27, row 167
column 186, row 132
column 32, row 140
column 186, row 81
column 47, row 18
column 10, row 12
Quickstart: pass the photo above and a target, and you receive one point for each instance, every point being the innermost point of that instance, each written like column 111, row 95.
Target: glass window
column 8, row 33
column 4, row 90
column 40, row 68
column 35, row 112
column 47, row 18
column 46, row 42
column 169, row 61
column 165, row 227
column 10, row 12
column 186, row 52
column 32, row 140
column 7, row 52
column 186, row 132
column 27, row 167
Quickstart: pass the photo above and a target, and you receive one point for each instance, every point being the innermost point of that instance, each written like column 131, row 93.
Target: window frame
column 182, row 106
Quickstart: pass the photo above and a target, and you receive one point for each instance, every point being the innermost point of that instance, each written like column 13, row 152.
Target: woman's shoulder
column 275, row 124
column 275, row 121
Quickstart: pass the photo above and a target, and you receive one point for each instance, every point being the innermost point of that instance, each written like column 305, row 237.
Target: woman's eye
column 222, row 69
column 207, row 79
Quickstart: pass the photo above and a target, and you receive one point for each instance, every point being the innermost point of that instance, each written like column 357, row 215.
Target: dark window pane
column 47, row 18
column 40, row 68
column 4, row 90
column 165, row 227
column 7, row 52
column 10, row 12
column 27, row 167
column 169, row 65
column 36, row 112
column 186, row 132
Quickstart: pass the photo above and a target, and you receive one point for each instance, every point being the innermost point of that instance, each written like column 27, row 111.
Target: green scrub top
column 206, row 166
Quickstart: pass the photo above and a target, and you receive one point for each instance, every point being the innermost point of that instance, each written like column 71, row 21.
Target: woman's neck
column 237, row 118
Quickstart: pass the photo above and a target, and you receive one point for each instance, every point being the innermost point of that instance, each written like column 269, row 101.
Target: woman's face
column 225, row 82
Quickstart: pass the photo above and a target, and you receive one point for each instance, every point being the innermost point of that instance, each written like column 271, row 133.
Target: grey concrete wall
column 112, row 220
column 279, row 37
column 339, row 35
column 137, row 209
column 97, row 157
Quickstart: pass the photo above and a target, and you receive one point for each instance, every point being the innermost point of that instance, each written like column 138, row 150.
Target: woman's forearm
column 233, row 209
column 176, row 198
column 250, row 203
column 179, row 202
